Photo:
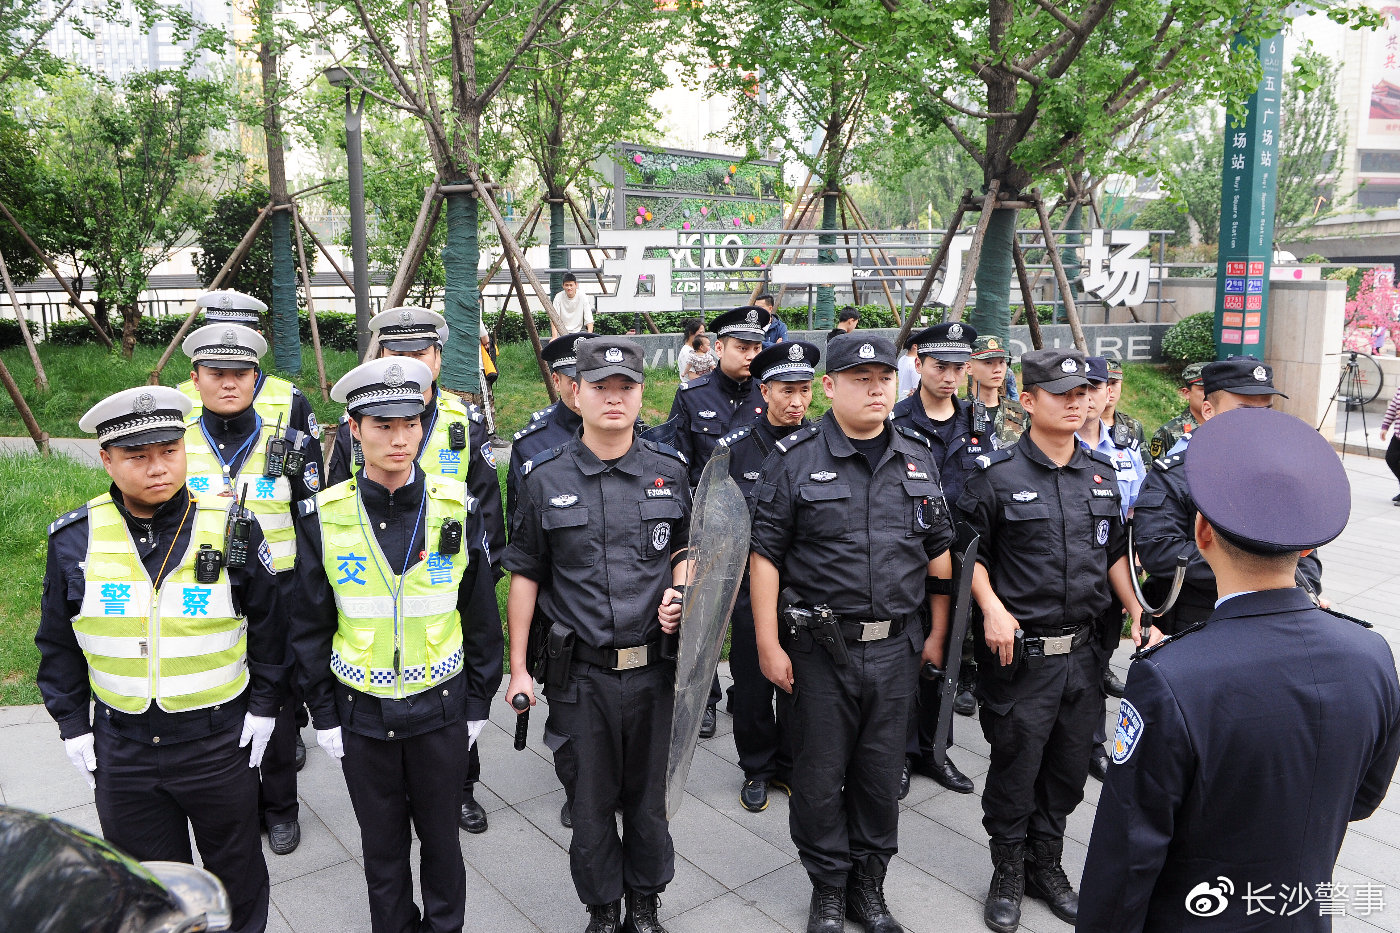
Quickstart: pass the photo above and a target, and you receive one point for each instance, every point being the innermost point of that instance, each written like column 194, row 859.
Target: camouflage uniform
column 1168, row 434
column 1009, row 420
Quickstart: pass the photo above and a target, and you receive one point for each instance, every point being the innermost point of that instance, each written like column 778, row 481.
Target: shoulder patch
column 345, row 418
column 543, row 456
column 1166, row 463
column 68, row 518
column 1099, row 456
column 735, row 437
column 695, row 383
column 996, row 456
column 537, row 423
column 666, row 449
column 474, row 414
column 1128, row 733
column 804, row 433
column 306, row 506
column 913, row 435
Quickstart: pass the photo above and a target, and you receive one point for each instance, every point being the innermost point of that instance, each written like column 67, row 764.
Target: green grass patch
column 1150, row 395
column 33, row 492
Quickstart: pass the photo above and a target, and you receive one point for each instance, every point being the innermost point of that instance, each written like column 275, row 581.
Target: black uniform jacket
column 955, row 448
column 393, row 517
column 1243, row 749
column 63, row 670
column 706, row 409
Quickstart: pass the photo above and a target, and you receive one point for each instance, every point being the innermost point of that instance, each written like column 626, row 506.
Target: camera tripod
column 1351, row 389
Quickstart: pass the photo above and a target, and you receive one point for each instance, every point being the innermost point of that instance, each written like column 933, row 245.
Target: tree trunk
column 461, row 359
column 131, row 316
column 991, row 314
column 826, row 295
column 558, row 255
column 286, row 332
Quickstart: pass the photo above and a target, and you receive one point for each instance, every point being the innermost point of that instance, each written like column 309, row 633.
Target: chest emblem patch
column 563, row 501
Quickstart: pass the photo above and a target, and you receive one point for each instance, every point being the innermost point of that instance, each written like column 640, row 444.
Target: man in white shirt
column 573, row 308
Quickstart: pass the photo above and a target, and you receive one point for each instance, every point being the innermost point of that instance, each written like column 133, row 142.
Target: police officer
column 452, row 433
column 1099, row 434
column 275, row 398
column 231, row 451
column 598, row 546
column 1053, row 555
column 945, row 422
column 1165, row 438
column 1198, row 791
column 1165, row 512
column 398, row 643
column 994, row 411
column 785, row 372
column 707, row 408
column 1127, row 431
column 850, row 517
column 184, row 677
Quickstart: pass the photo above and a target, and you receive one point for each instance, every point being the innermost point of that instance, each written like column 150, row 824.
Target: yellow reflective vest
column 181, row 645
column 270, row 499
column 395, row 636
column 273, row 399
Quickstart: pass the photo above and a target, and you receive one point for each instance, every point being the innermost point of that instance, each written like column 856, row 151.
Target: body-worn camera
column 457, row 435
column 450, row 537
column 207, row 562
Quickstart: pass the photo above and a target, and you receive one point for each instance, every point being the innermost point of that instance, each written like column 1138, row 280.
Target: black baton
column 522, row 722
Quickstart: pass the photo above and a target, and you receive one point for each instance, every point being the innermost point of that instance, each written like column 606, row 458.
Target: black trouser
column 1392, row 454
column 473, row 769
column 1041, row 729
column 395, row 783
column 277, row 792
column 759, row 731
column 610, row 732
column 148, row 797
column 848, row 731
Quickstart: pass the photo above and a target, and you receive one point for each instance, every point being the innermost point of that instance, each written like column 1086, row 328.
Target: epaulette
column 306, row 506
column 475, row 414
column 543, row 456
column 666, row 449
column 696, row 383
column 1099, row 456
column 804, row 433
column 1166, row 463
column 736, row 436
column 68, row 518
column 913, row 435
column 997, row 456
column 345, row 418
column 1152, row 649
column 529, row 429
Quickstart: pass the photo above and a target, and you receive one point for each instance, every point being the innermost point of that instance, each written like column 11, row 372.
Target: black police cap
column 746, row 323
column 1055, row 371
column 950, row 342
column 845, row 351
column 1242, row 375
column 601, row 357
column 790, row 361
column 1244, row 462
column 559, row 353
column 1096, row 368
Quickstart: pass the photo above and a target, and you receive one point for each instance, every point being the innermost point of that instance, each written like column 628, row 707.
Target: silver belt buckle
column 1058, row 644
column 874, row 631
column 629, row 658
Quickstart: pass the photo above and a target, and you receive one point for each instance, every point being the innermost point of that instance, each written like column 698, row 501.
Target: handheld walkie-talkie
column 296, row 457
column 275, row 455
column 238, row 533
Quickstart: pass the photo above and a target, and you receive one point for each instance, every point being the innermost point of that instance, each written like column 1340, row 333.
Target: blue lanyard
column 370, row 546
column 214, row 448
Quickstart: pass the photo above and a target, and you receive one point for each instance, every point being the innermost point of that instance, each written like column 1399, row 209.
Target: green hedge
column 337, row 331
column 10, row 336
column 1191, row 339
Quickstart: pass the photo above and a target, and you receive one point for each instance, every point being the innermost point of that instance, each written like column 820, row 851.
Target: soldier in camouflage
column 991, row 406
column 1126, row 431
column 1168, row 434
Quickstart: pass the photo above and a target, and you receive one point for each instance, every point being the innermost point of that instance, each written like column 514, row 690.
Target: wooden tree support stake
column 933, row 267
column 310, row 306
column 41, row 439
column 530, row 328
column 41, row 378
column 974, row 252
column 1027, row 297
column 417, row 245
column 579, row 223
column 508, row 244
column 532, row 221
column 316, row 242
column 1071, row 311
column 234, row 258
column 48, row 264
column 861, row 227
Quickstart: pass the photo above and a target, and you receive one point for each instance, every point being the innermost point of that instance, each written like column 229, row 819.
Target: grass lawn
column 34, row 491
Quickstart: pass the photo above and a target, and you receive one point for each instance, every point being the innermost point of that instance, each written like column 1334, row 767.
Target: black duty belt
column 620, row 659
column 1061, row 644
column 859, row 629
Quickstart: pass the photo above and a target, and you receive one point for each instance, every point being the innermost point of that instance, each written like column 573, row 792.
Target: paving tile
column 333, row 898
column 727, row 912
column 319, row 849
column 722, row 848
column 530, row 869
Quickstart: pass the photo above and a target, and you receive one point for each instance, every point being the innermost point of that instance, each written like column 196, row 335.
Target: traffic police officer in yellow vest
column 274, row 397
column 398, row 642
column 159, row 657
column 456, row 444
column 233, row 451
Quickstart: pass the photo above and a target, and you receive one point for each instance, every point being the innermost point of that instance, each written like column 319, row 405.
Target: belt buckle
column 629, row 658
column 1057, row 644
column 874, row 631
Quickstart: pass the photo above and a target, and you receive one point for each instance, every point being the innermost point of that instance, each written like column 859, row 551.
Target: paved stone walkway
column 735, row 871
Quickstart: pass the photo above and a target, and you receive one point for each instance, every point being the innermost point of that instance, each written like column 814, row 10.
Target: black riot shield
column 964, row 559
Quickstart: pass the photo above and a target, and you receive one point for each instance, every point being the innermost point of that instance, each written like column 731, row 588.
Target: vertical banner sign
column 1248, row 183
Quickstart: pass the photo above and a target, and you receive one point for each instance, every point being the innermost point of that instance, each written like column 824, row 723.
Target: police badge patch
column 1129, row 731
column 661, row 536
column 488, row 454
column 265, row 556
column 312, row 427
column 311, row 477
column 1101, row 532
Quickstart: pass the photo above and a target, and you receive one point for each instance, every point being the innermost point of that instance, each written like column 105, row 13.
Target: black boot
column 603, row 918
column 641, row 913
column 1046, row 880
column 1003, row 909
column 1112, row 685
column 828, row 909
column 865, row 904
column 964, row 703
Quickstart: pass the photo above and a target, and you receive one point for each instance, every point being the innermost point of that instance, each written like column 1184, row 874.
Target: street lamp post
column 349, row 79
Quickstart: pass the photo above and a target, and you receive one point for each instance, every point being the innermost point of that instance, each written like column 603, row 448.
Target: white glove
column 474, row 728
column 258, row 730
column 330, row 740
column 81, row 752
